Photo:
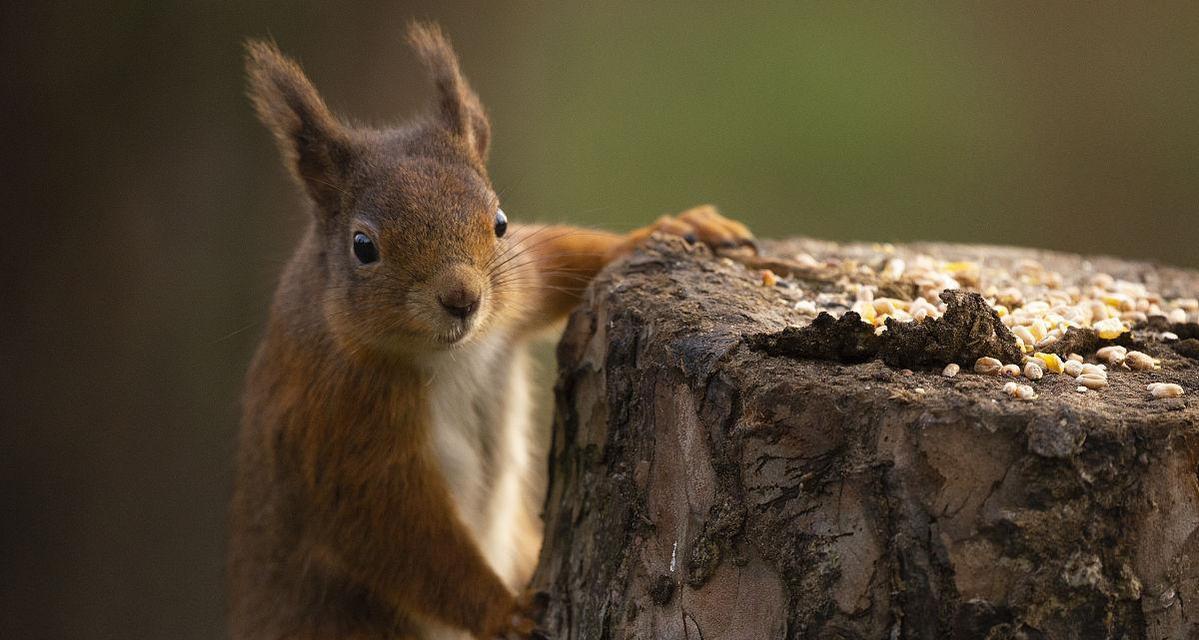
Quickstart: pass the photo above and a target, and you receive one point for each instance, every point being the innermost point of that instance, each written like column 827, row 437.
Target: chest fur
column 480, row 412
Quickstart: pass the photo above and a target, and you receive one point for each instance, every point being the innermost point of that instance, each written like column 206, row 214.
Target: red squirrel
column 383, row 466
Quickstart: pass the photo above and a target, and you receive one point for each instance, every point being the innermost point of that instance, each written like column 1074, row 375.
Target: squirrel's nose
column 460, row 304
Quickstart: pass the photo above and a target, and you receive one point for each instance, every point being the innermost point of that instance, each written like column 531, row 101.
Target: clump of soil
column 970, row 329
column 844, row 339
column 1188, row 348
column 1186, row 330
column 1078, row 340
column 1187, row 344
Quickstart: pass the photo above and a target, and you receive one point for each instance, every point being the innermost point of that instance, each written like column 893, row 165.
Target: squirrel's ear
column 315, row 145
column 459, row 107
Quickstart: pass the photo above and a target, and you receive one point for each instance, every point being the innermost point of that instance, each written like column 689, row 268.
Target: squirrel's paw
column 522, row 624
column 705, row 224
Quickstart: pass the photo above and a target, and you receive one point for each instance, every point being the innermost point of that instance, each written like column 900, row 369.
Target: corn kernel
column 1109, row 329
column 1139, row 361
column 865, row 309
column 988, row 366
column 1038, row 329
column 1053, row 363
column 1112, row 355
column 1165, row 390
column 1025, row 335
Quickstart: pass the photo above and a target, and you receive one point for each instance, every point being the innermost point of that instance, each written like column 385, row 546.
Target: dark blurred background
column 146, row 214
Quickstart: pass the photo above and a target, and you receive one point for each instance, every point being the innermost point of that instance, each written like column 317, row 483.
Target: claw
column 533, row 602
column 523, row 625
column 702, row 224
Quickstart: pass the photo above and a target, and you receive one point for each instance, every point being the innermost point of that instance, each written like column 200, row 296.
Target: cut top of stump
column 887, row 319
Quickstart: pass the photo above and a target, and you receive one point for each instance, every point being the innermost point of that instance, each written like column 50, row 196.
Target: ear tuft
column 460, row 109
column 313, row 143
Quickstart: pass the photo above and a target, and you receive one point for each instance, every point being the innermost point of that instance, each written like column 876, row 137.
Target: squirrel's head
column 408, row 228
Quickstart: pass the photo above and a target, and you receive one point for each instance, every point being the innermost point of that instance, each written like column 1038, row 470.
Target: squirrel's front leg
column 389, row 522
column 561, row 260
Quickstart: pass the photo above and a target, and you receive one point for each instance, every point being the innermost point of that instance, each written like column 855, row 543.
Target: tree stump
column 710, row 479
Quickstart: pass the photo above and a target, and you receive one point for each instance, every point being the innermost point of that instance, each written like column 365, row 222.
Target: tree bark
column 705, row 485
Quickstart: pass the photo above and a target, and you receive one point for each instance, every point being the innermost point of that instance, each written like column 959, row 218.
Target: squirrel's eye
column 501, row 223
column 364, row 249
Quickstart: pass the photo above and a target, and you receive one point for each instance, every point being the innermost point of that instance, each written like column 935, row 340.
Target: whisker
column 512, row 245
column 568, row 232
column 235, row 332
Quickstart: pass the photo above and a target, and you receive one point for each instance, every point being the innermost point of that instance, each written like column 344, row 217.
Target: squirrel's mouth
column 457, row 332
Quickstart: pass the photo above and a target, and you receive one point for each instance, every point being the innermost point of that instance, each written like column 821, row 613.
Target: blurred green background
column 147, row 215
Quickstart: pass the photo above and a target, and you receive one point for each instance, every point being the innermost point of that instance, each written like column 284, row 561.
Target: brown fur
column 343, row 524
